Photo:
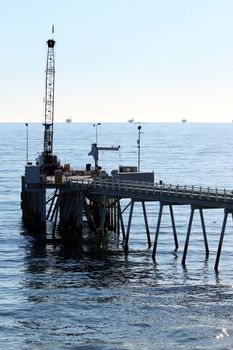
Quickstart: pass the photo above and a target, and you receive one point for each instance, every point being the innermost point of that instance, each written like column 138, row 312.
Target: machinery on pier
column 47, row 161
column 95, row 152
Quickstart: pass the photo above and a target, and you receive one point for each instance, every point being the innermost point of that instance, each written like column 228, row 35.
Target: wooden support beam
column 103, row 214
column 121, row 219
column 126, row 207
column 55, row 219
column 79, row 218
column 51, row 197
column 221, row 240
column 87, row 212
column 54, row 210
column 114, row 217
column 67, row 207
column 173, row 227
column 51, row 204
column 110, row 213
column 193, row 208
column 146, row 224
column 102, row 222
column 126, row 247
column 204, row 232
column 118, row 217
column 188, row 235
column 157, row 231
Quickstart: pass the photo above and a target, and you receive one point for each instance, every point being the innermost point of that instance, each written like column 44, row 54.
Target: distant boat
column 131, row 120
column 184, row 120
column 68, row 120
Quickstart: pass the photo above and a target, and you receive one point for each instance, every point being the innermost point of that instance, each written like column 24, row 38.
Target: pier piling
column 162, row 204
column 226, row 212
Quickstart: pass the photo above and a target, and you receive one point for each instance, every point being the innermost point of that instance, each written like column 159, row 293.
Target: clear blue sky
column 154, row 60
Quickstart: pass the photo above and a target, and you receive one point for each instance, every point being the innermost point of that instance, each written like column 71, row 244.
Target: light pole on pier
column 96, row 134
column 26, row 124
column 139, row 146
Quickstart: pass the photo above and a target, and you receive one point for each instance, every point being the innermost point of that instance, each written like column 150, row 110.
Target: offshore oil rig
column 85, row 205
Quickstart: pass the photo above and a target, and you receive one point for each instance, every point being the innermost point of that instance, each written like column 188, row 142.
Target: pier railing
column 164, row 189
column 185, row 194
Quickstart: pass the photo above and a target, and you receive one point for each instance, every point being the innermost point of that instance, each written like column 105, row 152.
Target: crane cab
column 48, row 163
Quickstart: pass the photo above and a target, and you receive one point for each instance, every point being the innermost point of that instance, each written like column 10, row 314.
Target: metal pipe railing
column 185, row 191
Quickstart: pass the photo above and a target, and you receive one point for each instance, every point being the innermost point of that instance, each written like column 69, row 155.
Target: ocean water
column 61, row 297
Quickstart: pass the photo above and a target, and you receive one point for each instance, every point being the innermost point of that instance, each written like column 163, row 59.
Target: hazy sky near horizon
column 151, row 60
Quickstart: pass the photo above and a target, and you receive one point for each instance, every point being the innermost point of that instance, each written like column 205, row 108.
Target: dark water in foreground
column 56, row 297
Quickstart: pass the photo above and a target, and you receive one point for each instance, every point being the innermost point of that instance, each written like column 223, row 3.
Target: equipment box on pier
column 58, row 176
column 127, row 169
column 127, row 176
column 32, row 174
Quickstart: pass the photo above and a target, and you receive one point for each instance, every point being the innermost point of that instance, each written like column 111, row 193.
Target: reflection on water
column 112, row 300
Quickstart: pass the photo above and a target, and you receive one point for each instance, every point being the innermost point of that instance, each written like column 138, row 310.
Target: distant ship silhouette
column 68, row 120
column 184, row 120
column 131, row 120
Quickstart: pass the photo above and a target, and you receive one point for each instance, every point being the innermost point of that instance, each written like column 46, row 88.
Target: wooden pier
column 96, row 203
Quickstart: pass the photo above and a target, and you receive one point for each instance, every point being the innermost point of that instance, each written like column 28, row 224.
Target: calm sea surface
column 58, row 297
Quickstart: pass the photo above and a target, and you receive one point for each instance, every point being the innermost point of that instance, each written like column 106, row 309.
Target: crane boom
column 49, row 99
column 47, row 160
column 95, row 152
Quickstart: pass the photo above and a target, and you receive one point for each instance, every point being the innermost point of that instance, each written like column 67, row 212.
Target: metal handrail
column 184, row 191
column 169, row 189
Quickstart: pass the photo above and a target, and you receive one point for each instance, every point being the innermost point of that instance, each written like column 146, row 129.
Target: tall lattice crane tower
column 49, row 99
column 47, row 160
